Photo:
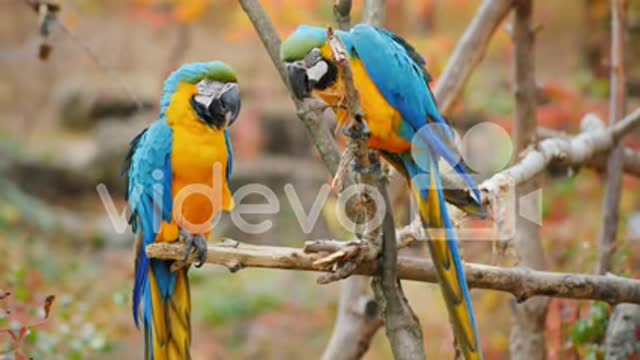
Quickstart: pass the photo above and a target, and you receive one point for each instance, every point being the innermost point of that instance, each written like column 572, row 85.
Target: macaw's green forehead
column 306, row 38
column 301, row 41
column 194, row 72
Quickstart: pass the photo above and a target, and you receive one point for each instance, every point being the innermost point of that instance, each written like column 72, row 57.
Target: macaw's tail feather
column 167, row 311
column 446, row 259
column 455, row 193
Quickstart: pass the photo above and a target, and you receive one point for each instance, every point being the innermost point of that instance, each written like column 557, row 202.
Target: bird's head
column 309, row 61
column 210, row 88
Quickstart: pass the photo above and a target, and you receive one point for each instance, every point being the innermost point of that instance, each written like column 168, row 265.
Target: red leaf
column 47, row 305
column 23, row 332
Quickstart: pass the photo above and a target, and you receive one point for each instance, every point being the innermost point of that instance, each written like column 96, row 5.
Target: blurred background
column 65, row 124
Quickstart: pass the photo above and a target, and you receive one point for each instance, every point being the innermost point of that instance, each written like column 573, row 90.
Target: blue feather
column 400, row 77
column 453, row 247
column 152, row 154
column 227, row 140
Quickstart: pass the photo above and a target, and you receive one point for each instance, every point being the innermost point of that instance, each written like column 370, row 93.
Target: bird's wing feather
column 227, row 139
column 398, row 72
column 149, row 194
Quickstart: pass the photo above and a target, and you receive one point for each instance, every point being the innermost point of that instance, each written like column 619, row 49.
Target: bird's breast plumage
column 384, row 121
column 199, row 161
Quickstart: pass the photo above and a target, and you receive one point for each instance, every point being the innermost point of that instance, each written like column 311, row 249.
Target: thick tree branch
column 375, row 12
column 358, row 319
column 308, row 111
column 469, row 50
column 523, row 283
column 401, row 324
column 631, row 160
column 342, row 14
column 571, row 151
column 527, row 331
column 613, row 186
column 622, row 333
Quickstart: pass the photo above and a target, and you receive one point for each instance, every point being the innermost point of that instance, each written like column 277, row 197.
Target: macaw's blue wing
column 150, row 199
column 227, row 139
column 398, row 72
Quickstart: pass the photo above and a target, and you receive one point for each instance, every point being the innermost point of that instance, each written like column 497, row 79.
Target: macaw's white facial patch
column 209, row 90
column 317, row 71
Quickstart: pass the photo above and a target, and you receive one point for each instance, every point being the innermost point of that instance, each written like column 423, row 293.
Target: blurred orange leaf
column 189, row 11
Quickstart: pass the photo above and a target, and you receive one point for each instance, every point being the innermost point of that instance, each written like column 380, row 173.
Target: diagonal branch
column 631, row 157
column 572, row 151
column 469, row 50
column 308, row 111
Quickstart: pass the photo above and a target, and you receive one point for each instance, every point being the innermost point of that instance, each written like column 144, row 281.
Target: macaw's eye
column 312, row 57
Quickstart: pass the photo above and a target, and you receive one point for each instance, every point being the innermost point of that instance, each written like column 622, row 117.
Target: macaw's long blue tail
column 430, row 196
column 165, row 309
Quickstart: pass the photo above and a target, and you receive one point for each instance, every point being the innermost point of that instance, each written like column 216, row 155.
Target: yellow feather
column 431, row 214
column 381, row 117
column 197, row 148
column 171, row 319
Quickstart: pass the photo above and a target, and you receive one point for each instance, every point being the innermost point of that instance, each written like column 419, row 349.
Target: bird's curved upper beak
column 299, row 80
column 231, row 101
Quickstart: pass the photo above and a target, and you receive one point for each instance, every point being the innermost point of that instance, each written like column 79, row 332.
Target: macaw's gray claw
column 195, row 243
column 357, row 133
column 365, row 170
column 188, row 245
column 201, row 248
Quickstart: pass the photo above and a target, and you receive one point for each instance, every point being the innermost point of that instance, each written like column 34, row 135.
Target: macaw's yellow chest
column 199, row 161
column 384, row 121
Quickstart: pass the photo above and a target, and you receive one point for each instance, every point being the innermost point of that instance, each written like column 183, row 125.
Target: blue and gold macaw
column 397, row 102
column 167, row 165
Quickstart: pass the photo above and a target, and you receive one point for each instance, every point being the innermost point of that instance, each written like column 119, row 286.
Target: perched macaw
column 199, row 102
column 397, row 102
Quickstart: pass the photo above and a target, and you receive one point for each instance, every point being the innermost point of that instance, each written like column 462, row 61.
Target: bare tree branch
column 401, row 324
column 469, row 51
column 572, row 151
column 527, row 331
column 357, row 321
column 358, row 318
column 375, row 12
column 523, row 283
column 599, row 163
column 613, row 186
column 622, row 337
column 342, row 14
column 308, row 111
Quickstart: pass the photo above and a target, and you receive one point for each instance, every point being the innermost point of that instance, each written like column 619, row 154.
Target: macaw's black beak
column 231, row 102
column 217, row 104
column 299, row 81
